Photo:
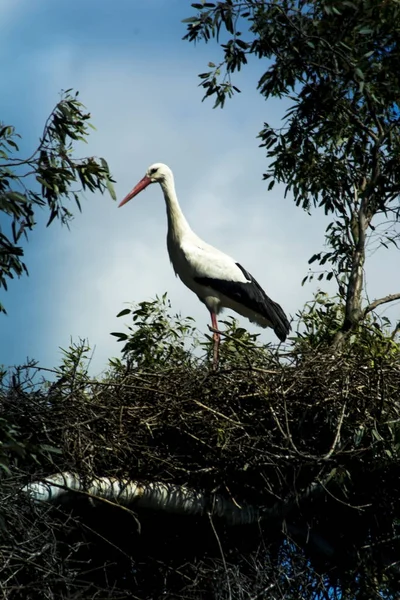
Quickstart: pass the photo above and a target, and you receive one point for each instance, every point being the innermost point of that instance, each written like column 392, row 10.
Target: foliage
column 321, row 319
column 337, row 65
column 313, row 441
column 59, row 175
column 10, row 443
column 156, row 337
column 238, row 347
column 19, row 444
column 73, row 371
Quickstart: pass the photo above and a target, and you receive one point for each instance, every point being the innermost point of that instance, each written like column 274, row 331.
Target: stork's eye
column 153, row 171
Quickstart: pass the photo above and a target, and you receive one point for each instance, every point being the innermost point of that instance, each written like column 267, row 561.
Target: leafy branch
column 49, row 178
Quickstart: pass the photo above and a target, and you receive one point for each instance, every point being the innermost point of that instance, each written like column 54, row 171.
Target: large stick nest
column 312, row 442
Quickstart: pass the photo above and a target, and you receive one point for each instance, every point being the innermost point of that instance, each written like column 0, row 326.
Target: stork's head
column 158, row 172
column 155, row 173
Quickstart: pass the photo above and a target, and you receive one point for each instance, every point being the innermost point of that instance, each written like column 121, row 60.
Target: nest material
column 312, row 444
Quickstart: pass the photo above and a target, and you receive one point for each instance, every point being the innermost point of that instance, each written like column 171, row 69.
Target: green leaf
column 17, row 197
column 365, row 30
column 109, row 184
column 51, row 449
column 12, row 143
column 124, row 312
column 111, row 189
column 104, row 164
column 43, row 182
column 5, row 468
column 121, row 336
column 377, row 435
column 192, row 20
column 359, row 73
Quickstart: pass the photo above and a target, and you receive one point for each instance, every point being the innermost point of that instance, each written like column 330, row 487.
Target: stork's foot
column 216, row 351
column 216, row 338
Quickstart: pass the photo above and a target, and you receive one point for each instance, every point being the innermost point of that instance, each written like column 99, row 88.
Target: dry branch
column 304, row 451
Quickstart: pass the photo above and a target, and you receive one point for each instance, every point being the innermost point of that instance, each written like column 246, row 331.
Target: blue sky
column 139, row 81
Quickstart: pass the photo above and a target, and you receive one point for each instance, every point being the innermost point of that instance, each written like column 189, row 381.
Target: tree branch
column 380, row 301
column 371, row 108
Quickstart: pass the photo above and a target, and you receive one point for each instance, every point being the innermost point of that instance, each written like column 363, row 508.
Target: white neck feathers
column 177, row 223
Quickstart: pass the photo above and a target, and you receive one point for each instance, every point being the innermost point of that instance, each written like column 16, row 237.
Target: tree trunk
column 353, row 308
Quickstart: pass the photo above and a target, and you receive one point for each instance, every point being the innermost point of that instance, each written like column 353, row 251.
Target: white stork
column 217, row 279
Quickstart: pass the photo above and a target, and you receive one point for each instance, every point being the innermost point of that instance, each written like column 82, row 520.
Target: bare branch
column 337, row 436
column 380, row 301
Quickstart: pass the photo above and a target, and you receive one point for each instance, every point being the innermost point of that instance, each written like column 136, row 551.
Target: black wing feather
column 252, row 296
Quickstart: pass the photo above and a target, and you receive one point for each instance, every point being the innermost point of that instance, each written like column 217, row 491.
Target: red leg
column 217, row 339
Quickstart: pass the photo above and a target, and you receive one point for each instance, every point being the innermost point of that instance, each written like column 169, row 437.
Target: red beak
column 143, row 183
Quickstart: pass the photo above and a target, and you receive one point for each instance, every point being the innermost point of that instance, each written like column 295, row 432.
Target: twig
column 337, row 436
column 360, row 507
column 233, row 339
column 222, row 556
column 216, row 412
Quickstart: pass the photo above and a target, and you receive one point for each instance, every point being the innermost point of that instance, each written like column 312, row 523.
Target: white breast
column 192, row 258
